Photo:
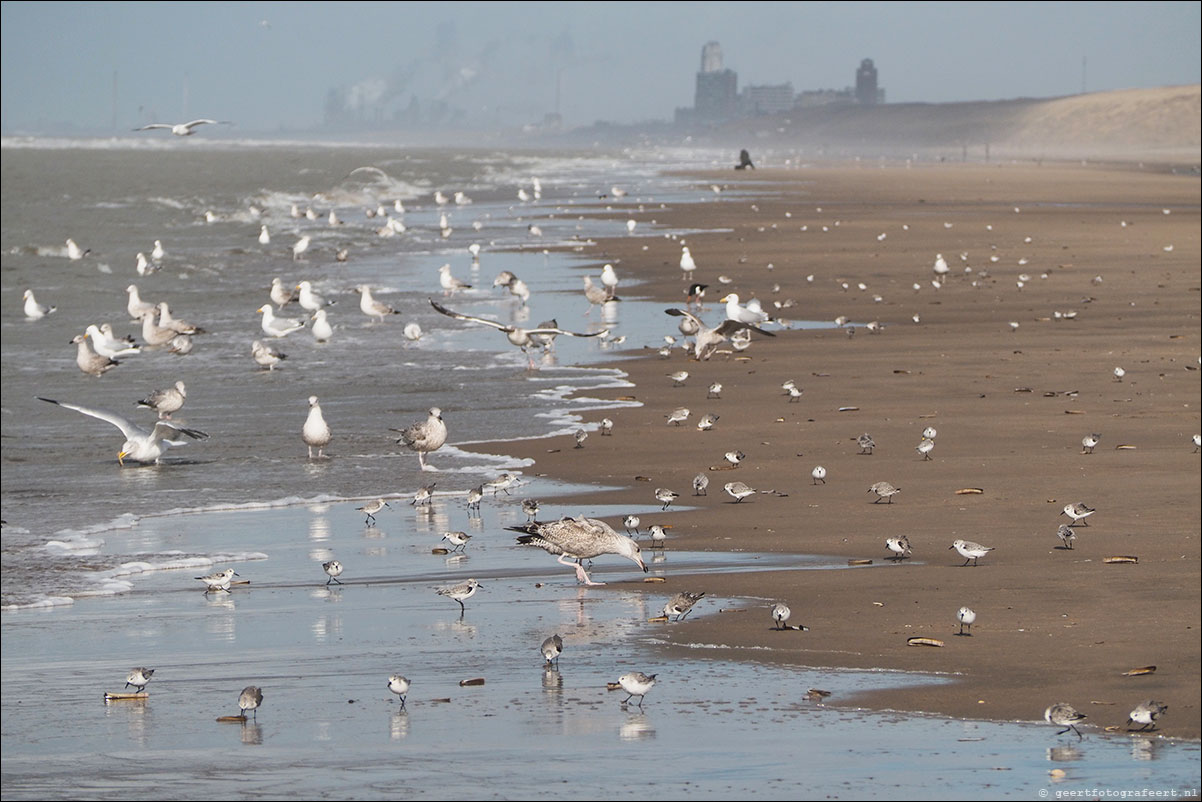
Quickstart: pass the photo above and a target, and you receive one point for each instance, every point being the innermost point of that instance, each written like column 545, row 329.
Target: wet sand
column 1011, row 407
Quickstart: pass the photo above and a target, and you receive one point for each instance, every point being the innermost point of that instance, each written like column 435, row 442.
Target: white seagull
column 35, row 310
column 424, row 437
column 517, row 336
column 183, row 129
column 278, row 326
column 141, row 445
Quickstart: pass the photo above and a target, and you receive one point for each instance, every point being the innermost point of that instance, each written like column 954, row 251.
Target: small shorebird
column 1119, row 373
column 607, row 427
column 925, row 448
column 333, row 569
column 819, row 474
column 865, row 443
column 218, row 581
column 739, row 490
column 929, row 433
column 666, row 496
column 138, row 678
column 315, row 432
column 250, row 699
column 636, row 683
column 460, row 592
column 780, row 614
column 1089, row 442
column 1145, row 713
column 425, row 436
column 530, row 506
column 1066, row 534
column 551, row 648
column 884, row 490
column 631, row 522
column 715, row 390
column 966, row 617
column 678, row 416
column 457, row 539
column 679, row 377
column 423, row 496
column 734, row 457
column 700, row 483
column 899, row 546
column 680, row 604
column 165, row 401
column 970, row 551
column 707, row 422
column 502, row 482
column 580, row 436
column 399, row 685
column 474, row 497
column 795, row 393
column 371, row 508
column 1078, row 512
column 658, row 536
column 1062, row 714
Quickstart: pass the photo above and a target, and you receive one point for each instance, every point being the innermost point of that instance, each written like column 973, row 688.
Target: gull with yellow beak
column 141, row 444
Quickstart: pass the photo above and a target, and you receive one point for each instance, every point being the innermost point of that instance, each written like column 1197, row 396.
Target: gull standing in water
column 707, row 340
column 300, row 247
column 322, row 330
column 141, row 445
column 424, row 437
column 309, row 298
column 370, row 306
column 136, row 307
column 165, row 401
column 88, row 360
column 281, row 296
column 315, row 432
column 266, row 356
column 277, row 326
column 517, row 336
column 183, row 129
column 449, row 283
column 515, row 285
column 35, row 310
column 597, row 296
column 579, row 539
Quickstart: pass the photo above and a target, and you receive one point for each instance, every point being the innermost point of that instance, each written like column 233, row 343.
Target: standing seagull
column 316, row 432
column 370, row 306
column 166, row 401
column 464, row 590
column 449, row 283
column 424, row 437
column 183, row 129
column 707, row 340
column 141, row 445
column 579, row 539
column 250, row 699
column 272, row 326
column 88, row 360
column 35, row 310
column 517, row 336
column 687, row 265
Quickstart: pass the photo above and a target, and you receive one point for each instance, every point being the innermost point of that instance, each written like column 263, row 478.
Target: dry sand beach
column 1116, row 245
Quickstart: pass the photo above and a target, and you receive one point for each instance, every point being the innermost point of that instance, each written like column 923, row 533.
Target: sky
column 106, row 67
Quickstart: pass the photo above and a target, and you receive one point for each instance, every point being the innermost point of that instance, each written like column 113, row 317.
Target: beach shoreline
column 1119, row 248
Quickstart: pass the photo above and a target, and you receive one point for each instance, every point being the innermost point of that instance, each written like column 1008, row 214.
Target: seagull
column 966, row 616
column 609, row 279
column 412, row 331
column 88, row 360
column 183, row 129
column 515, row 285
column 457, row 539
column 141, row 445
column 309, row 299
column 680, row 604
column 687, row 265
column 460, row 592
column 315, row 432
column 165, row 401
column 707, row 340
column 136, row 307
column 424, row 437
column 970, row 551
column 333, row 568
column 218, row 581
column 108, row 347
column 1063, row 715
column 551, row 648
column 272, row 326
column 158, row 253
column 74, row 252
column 35, row 310
column 743, row 314
column 144, row 265
column 899, row 546
column 176, row 325
column 300, row 247
column 522, row 338
column 250, row 699
column 884, row 490
column 281, row 296
column 1078, row 512
column 597, row 296
column 264, row 235
column 700, row 483
column 579, row 539
column 370, row 306
column 154, row 334
column 138, row 678
column 399, row 685
column 266, row 356
column 322, row 330
column 449, row 283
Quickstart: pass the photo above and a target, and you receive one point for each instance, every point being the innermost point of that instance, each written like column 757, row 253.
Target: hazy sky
column 269, row 66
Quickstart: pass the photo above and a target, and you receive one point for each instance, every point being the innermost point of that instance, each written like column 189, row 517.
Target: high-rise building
column 717, row 93
column 866, row 91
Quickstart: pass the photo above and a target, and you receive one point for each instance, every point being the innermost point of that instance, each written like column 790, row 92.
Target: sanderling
column 530, row 507
column 700, row 483
column 607, row 427
column 581, row 435
column 925, row 448
column 636, row 683
column 1089, row 442
column 680, row 604
column 457, row 539
column 739, row 490
column 551, row 648
column 165, row 401
column 399, row 685
column 502, row 482
column 1062, row 714
column 788, row 386
column 631, row 522
column 474, row 496
column 218, row 581
column 678, row 416
column 780, row 614
column 734, row 457
column 579, row 539
column 1119, row 373
column 1066, row 534
column 662, row 494
column 138, row 677
column 966, row 617
column 658, row 536
column 424, row 436
column 795, row 393
column 141, row 445
column 899, row 546
column 1078, row 512
column 315, row 432
column 1197, row 442
column 707, row 422
column 970, row 551
column 464, row 590
column 333, row 568
column 1145, row 713
column 929, row 433
column 715, row 390
column 371, row 508
column 679, row 377
column 884, row 490
column 865, row 443
column 818, row 474
column 250, row 699
column 424, row 495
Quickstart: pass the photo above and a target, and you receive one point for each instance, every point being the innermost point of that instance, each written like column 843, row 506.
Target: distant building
column 717, row 95
column 769, row 99
column 825, row 97
column 867, row 93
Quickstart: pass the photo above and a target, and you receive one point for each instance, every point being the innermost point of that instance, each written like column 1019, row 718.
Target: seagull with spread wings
column 183, row 129
column 707, row 340
column 141, row 444
column 517, row 336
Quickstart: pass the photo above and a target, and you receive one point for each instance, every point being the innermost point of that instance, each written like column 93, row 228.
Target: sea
column 99, row 559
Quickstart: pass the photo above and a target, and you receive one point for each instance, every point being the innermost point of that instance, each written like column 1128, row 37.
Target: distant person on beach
column 744, row 160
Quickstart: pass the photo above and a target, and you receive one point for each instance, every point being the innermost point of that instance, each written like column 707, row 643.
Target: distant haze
column 108, row 67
